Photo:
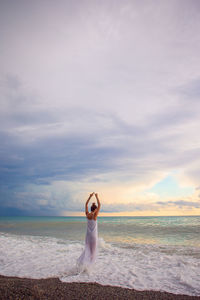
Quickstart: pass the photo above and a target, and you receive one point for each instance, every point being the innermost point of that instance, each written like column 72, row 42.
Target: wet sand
column 53, row 288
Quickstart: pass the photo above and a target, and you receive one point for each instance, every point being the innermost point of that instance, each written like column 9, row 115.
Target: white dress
column 89, row 254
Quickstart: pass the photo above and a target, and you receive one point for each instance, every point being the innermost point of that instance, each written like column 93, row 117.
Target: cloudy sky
column 100, row 96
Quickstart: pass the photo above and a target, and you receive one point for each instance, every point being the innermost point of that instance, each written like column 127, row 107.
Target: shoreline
column 53, row 288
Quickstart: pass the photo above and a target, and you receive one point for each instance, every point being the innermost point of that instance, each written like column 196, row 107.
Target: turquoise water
column 127, row 230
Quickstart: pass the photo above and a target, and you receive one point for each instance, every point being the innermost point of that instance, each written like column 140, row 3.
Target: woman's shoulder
column 91, row 216
column 88, row 216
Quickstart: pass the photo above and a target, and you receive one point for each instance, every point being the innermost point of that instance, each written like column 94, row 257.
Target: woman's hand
column 91, row 195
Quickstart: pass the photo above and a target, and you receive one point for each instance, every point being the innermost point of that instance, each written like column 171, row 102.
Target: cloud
column 190, row 91
column 105, row 93
column 181, row 203
column 128, row 207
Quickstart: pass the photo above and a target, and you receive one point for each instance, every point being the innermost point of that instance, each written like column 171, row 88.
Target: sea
column 142, row 253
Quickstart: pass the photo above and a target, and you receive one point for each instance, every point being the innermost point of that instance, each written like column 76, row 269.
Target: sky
column 100, row 96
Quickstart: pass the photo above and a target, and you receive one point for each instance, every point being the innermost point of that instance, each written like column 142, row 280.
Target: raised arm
column 99, row 204
column 86, row 203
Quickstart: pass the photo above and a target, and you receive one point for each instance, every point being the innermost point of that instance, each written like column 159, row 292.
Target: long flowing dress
column 89, row 254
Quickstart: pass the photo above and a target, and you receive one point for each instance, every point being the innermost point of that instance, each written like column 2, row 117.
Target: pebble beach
column 52, row 288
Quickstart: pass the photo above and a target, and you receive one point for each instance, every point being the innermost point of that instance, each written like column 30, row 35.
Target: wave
column 142, row 267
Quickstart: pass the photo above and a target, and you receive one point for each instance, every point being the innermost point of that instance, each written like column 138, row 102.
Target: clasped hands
column 93, row 194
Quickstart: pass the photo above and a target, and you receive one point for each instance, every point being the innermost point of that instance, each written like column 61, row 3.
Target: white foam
column 142, row 267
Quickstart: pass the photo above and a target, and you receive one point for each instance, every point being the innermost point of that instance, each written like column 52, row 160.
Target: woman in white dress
column 88, row 256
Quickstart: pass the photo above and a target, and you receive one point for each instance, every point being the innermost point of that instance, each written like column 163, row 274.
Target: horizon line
column 101, row 216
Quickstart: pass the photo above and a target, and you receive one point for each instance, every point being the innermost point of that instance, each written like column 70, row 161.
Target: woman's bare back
column 92, row 215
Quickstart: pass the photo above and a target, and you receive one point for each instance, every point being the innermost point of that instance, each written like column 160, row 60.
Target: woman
column 88, row 256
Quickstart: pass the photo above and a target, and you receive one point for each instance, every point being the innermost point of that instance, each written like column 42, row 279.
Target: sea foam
column 142, row 267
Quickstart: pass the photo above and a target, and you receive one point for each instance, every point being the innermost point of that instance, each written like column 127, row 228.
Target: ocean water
column 144, row 253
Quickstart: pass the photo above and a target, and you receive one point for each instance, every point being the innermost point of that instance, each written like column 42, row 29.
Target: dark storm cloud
column 95, row 92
